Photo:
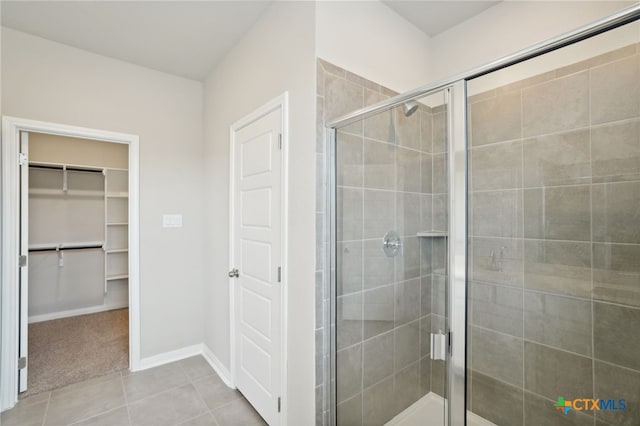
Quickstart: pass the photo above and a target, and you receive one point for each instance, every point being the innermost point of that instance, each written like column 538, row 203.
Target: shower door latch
column 438, row 346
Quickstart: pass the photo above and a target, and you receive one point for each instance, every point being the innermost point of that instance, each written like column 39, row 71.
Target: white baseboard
column 76, row 312
column 186, row 352
column 171, row 356
column 218, row 367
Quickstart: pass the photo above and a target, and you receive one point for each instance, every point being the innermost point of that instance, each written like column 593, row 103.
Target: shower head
column 409, row 108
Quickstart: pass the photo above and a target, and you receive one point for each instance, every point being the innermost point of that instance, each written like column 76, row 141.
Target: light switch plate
column 172, row 221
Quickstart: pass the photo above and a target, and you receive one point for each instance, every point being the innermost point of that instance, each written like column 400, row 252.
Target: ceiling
column 185, row 38
column 434, row 17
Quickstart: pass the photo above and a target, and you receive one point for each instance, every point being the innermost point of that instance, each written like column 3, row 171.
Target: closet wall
column 78, row 239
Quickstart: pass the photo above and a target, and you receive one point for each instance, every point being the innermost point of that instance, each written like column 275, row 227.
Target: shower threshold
column 429, row 411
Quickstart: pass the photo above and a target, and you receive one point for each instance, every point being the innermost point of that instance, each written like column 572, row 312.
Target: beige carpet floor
column 70, row 350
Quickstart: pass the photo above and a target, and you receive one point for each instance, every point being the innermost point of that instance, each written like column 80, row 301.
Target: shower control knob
column 234, row 273
column 391, row 244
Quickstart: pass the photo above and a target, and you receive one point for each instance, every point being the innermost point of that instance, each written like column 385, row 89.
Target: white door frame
column 281, row 102
column 11, row 128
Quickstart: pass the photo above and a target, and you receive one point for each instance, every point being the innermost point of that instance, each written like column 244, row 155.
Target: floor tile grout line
column 198, row 392
column 46, row 410
column 211, row 410
column 126, row 400
column 102, row 412
column 93, row 416
column 189, row 382
column 126, row 403
column 194, row 417
column 160, row 392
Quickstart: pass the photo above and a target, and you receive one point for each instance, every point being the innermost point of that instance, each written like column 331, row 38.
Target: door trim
column 280, row 102
column 11, row 128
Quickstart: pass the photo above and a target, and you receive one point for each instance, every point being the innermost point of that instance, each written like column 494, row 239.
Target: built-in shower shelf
column 433, row 234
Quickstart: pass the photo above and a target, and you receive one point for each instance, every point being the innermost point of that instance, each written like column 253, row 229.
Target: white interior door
column 24, row 269
column 256, row 218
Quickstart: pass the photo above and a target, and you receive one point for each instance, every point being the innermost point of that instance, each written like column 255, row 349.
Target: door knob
column 234, row 273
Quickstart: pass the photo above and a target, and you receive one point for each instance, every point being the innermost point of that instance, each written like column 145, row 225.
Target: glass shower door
column 391, row 265
column 554, row 240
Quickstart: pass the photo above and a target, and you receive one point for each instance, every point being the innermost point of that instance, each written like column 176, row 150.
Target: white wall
column 371, row 40
column 48, row 148
column 46, row 81
column 276, row 55
column 514, row 25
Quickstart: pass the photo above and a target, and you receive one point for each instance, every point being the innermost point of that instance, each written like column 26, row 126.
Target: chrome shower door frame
column 455, row 294
column 330, row 324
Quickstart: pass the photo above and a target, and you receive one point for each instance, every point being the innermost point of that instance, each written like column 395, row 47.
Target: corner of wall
column 363, row 37
column 187, row 352
column 277, row 55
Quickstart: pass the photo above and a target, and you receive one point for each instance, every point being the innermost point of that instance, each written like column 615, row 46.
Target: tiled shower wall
column 391, row 176
column 555, row 247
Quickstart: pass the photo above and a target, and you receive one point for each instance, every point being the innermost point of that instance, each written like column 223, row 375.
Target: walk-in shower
column 484, row 247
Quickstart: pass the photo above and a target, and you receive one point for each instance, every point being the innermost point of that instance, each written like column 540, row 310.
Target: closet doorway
column 69, row 214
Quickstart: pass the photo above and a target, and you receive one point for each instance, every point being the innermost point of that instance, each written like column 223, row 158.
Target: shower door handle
column 438, row 346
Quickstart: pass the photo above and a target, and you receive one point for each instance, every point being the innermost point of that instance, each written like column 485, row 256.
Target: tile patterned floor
column 186, row 392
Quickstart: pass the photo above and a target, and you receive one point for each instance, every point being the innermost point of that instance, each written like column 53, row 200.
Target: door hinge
column 279, row 273
column 22, row 260
column 280, row 141
column 22, row 159
column 22, row 363
column 279, row 404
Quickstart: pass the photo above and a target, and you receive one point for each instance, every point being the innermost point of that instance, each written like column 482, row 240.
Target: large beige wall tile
column 558, row 159
column 562, row 267
column 616, row 273
column 615, row 90
column 557, row 105
column 615, row 150
column 616, row 334
column 497, row 166
column 496, row 120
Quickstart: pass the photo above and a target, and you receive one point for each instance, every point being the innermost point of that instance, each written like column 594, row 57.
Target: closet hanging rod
column 69, row 168
column 66, row 248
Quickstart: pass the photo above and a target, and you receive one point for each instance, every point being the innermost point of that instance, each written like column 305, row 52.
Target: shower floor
column 429, row 411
